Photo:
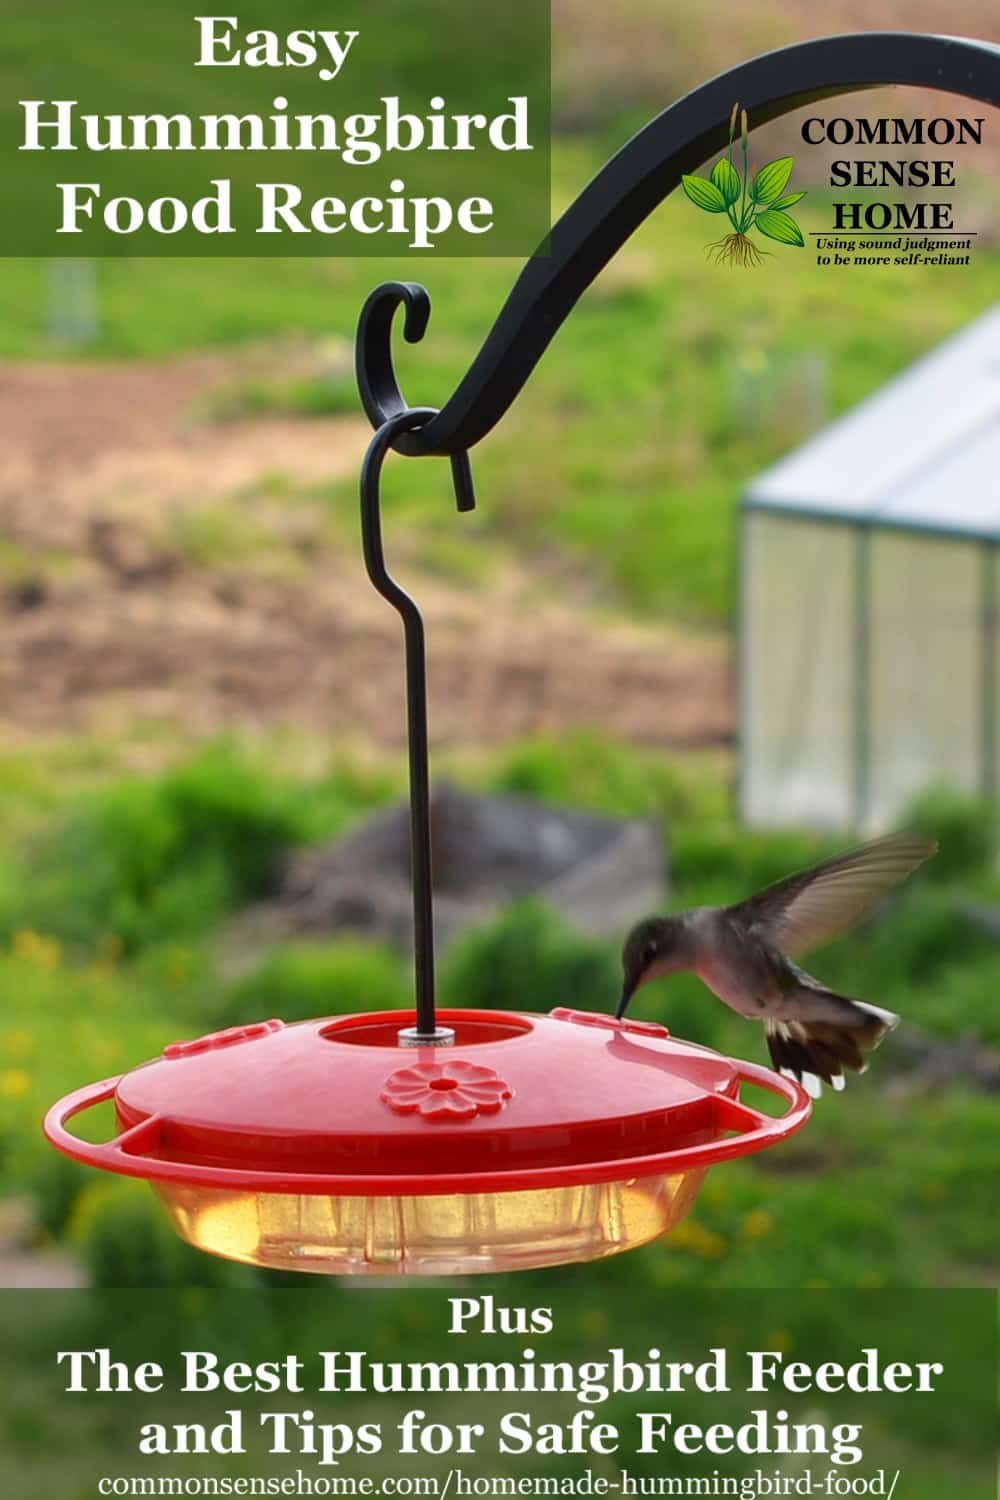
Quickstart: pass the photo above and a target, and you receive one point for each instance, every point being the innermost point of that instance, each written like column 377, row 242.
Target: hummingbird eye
column 648, row 953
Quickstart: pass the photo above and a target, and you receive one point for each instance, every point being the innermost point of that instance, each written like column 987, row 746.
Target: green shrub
column 527, row 960
column 165, row 857
column 965, row 827
column 593, row 771
column 299, row 981
column 125, row 1240
column 724, row 862
column 56, row 1185
column 916, row 935
column 956, row 1000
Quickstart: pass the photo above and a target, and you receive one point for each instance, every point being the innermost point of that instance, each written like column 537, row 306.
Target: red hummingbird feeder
column 332, row 1146
column 421, row 1143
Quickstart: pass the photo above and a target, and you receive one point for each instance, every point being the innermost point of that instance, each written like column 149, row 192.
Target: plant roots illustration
column 735, row 250
column 758, row 201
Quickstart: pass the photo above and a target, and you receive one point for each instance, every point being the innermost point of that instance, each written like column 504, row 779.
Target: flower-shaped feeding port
column 453, row 1090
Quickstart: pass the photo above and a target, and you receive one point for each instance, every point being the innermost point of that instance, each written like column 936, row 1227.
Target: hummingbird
column 744, row 954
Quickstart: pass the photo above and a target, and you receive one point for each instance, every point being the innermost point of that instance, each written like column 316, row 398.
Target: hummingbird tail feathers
column 818, row 1050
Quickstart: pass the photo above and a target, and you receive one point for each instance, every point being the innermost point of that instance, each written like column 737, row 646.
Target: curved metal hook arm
column 426, row 1029
column 623, row 194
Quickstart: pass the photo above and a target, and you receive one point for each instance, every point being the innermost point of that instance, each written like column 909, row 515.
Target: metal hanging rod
column 426, row 1032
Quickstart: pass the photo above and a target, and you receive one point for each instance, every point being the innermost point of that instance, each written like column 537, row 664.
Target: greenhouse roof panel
column 923, row 451
column 960, row 492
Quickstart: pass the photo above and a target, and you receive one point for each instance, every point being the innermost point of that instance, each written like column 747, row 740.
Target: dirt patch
column 99, row 463
column 22, row 1262
column 26, row 1270
column 209, row 657
column 86, row 445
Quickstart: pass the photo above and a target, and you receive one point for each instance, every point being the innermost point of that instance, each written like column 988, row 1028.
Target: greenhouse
column 868, row 658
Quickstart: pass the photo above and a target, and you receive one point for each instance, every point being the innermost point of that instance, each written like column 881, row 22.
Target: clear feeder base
column 430, row 1236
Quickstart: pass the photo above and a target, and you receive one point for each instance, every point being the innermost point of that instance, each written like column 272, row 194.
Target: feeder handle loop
column 93, row 1154
column 622, row 195
column 745, row 1117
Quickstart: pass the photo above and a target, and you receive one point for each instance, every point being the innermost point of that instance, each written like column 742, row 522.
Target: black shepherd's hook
column 426, row 1031
column 581, row 243
column 624, row 193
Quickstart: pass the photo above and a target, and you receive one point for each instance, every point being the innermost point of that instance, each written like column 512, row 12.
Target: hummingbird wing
column 808, row 909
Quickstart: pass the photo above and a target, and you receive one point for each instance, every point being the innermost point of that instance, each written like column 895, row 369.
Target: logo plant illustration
column 758, row 202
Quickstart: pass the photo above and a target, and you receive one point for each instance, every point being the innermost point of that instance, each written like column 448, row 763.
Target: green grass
column 333, row 394
column 167, row 857
column 673, row 382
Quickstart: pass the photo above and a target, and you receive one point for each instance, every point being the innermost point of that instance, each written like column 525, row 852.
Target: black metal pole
column 426, row 1031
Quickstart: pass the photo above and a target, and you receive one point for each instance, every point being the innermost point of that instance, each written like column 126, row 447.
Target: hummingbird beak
column 627, row 992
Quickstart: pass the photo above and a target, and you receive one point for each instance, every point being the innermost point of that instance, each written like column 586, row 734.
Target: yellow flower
column 690, row 1235
column 757, row 1224
column 33, row 948
column 14, row 1083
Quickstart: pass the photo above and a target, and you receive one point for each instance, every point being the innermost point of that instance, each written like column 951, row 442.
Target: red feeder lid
column 519, row 1101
